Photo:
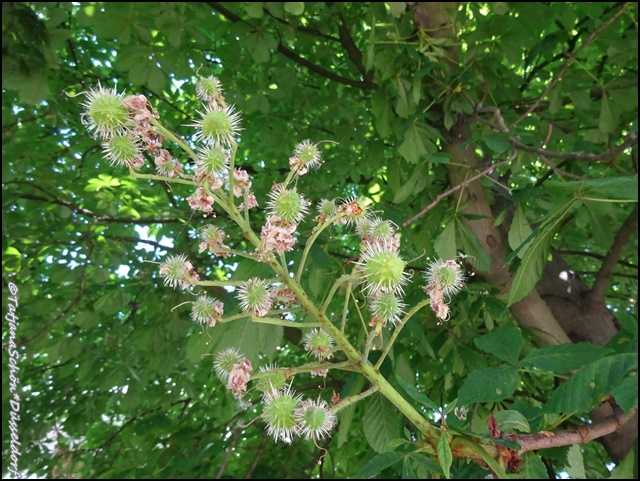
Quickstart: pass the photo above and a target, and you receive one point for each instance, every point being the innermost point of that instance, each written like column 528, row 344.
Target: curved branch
column 597, row 293
column 632, row 139
column 595, row 256
column 455, row 188
column 102, row 218
column 578, row 435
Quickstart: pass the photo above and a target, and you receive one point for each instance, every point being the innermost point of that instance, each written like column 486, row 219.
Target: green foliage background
column 113, row 380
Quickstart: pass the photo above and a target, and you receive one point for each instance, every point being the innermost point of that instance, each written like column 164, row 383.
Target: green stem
column 352, row 354
column 217, row 283
column 237, row 253
column 284, row 322
column 171, row 136
column 339, row 281
column 133, row 173
column 349, row 400
column 310, row 367
column 345, row 309
column 314, row 235
column 399, row 327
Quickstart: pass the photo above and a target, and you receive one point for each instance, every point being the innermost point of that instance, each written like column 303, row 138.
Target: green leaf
column 563, row 358
column 378, row 463
column 417, row 143
column 445, row 457
column 575, row 466
column 409, row 188
column 407, row 469
column 532, row 467
column 504, row 343
column 381, row 423
column 294, row 8
column 625, row 470
column 626, row 393
column 471, row 246
column 490, row 384
column 352, row 387
column 417, row 395
column 607, row 188
column 397, row 8
column 510, row 420
column 590, row 386
column 496, row 144
column 254, row 9
column 426, row 462
column 445, row 243
column 608, row 120
column 535, row 257
column 439, row 158
column 519, row 232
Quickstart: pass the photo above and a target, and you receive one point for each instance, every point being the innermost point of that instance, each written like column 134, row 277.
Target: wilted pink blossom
column 242, row 182
column 239, row 377
column 201, row 201
column 277, row 235
column 137, row 162
column 252, row 202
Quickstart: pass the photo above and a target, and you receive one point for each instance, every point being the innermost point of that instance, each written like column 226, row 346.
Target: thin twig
column 455, row 189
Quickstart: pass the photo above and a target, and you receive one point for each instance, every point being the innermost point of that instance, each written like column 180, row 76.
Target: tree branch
column 230, row 449
column 571, row 58
column 103, row 218
column 595, row 256
column 455, row 188
column 578, row 435
column 290, row 54
column 632, row 139
column 597, row 293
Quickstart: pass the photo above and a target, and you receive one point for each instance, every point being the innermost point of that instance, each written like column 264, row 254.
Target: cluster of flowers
column 124, row 124
column 127, row 127
column 285, row 413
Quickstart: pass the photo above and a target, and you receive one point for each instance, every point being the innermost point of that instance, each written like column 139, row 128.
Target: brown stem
column 578, row 435
column 597, row 293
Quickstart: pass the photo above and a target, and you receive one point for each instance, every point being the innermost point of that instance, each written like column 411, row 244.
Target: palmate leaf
column 535, row 256
column 504, row 343
column 378, row 463
column 490, row 384
column 519, row 232
column 590, row 386
column 563, row 358
column 607, row 188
